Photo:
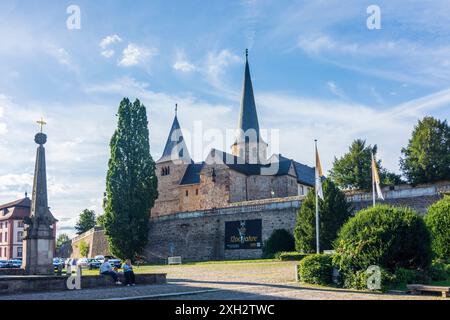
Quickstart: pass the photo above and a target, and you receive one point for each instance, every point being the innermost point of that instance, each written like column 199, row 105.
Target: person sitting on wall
column 106, row 270
column 128, row 273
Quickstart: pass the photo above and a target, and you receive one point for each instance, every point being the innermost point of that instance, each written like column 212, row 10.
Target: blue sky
column 318, row 72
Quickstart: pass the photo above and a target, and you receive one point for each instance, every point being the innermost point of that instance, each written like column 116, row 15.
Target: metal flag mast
column 317, row 202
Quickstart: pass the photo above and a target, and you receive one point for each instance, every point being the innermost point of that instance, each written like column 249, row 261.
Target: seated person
column 128, row 273
column 106, row 270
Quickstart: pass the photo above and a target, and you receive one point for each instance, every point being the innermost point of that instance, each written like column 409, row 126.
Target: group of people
column 107, row 270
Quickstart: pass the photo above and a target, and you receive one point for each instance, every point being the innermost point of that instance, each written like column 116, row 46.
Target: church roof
column 192, row 174
column 248, row 117
column 304, row 173
column 175, row 148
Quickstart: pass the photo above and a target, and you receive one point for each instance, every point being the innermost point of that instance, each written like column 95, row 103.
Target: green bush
column 409, row 276
column 290, row 256
column 439, row 271
column 316, row 269
column 359, row 279
column 280, row 240
column 438, row 222
column 385, row 236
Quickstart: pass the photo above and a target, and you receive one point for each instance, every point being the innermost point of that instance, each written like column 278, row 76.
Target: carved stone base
column 38, row 254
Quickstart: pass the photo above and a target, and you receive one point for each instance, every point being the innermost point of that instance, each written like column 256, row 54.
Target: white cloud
column 217, row 62
column 334, row 89
column 109, row 40
column 106, row 42
column 108, row 53
column 134, row 55
column 182, row 63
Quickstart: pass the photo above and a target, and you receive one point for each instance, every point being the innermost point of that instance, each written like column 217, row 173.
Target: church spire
column 175, row 148
column 248, row 117
column 249, row 144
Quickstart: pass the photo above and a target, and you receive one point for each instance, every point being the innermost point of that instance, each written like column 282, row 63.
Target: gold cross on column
column 41, row 123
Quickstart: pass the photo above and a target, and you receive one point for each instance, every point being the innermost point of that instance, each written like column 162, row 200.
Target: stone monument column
column 39, row 239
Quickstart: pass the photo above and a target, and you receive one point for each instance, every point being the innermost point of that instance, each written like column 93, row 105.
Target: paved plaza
column 222, row 281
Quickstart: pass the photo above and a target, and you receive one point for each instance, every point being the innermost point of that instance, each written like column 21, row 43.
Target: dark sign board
column 244, row 234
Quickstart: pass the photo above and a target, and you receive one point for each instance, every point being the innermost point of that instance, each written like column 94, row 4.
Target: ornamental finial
column 41, row 123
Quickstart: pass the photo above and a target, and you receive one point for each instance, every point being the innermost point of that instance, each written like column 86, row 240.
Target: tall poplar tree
column 131, row 183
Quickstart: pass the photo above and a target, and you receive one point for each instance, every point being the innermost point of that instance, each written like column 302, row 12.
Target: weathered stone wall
column 418, row 197
column 168, row 200
column 96, row 239
column 200, row 235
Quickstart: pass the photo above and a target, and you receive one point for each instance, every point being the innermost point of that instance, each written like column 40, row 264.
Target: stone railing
column 239, row 207
column 402, row 191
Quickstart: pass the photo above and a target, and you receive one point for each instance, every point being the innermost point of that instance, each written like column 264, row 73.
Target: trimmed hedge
column 385, row 236
column 316, row 269
column 359, row 280
column 438, row 222
column 280, row 240
column 290, row 256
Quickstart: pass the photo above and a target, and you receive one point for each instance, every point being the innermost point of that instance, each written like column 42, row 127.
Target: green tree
column 86, row 221
column 427, row 156
column 438, row 222
column 131, row 183
column 280, row 240
column 84, row 248
column 62, row 238
column 334, row 211
column 354, row 169
column 101, row 220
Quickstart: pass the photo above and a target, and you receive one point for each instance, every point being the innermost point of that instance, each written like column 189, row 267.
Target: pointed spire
column 248, row 118
column 175, row 148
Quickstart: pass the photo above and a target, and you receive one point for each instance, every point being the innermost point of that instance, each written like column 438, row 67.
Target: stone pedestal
column 38, row 251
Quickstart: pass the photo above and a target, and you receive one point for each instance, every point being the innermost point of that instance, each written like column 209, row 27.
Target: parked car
column 15, row 263
column 3, row 264
column 100, row 258
column 57, row 262
column 94, row 264
column 83, row 263
column 115, row 263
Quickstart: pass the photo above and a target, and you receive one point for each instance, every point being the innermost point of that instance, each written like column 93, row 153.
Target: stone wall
column 199, row 235
column 418, row 197
column 97, row 241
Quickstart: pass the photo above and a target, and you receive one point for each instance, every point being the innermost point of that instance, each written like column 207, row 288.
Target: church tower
column 249, row 144
column 170, row 169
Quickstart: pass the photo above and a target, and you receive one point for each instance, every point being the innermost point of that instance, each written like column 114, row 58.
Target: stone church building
column 245, row 174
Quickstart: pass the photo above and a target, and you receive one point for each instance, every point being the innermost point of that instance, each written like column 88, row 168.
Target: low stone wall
column 24, row 284
column 199, row 235
column 12, row 272
column 418, row 197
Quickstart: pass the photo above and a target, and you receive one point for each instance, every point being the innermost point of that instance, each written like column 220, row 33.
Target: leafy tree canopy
column 86, row 221
column 334, row 211
column 62, row 238
column 354, row 169
column 427, row 156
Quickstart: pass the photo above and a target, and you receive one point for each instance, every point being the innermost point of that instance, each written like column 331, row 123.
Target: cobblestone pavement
column 233, row 281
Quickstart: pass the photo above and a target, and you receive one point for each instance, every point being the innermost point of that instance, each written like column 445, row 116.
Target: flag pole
column 373, row 182
column 317, row 204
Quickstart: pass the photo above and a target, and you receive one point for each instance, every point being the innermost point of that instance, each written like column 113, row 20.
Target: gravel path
column 227, row 281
